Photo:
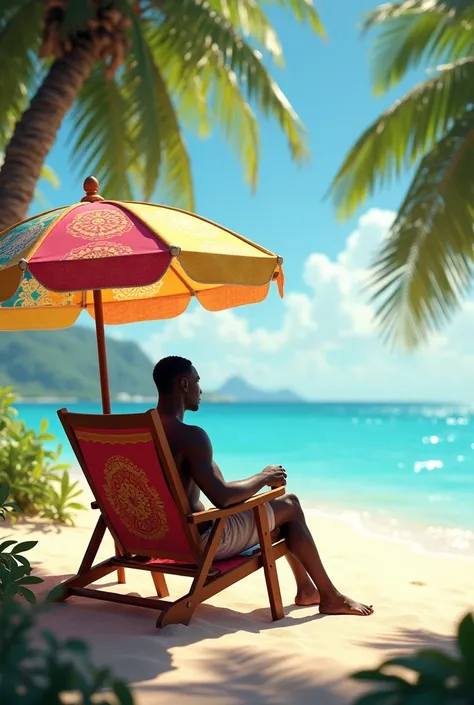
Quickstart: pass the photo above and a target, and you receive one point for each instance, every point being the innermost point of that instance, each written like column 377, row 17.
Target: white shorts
column 240, row 533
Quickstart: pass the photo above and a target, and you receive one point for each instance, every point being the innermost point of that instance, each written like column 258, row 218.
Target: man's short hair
column 166, row 371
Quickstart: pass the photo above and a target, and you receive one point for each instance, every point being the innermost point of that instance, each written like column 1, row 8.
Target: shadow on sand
column 125, row 638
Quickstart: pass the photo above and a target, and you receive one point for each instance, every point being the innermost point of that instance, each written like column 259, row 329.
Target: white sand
column 232, row 652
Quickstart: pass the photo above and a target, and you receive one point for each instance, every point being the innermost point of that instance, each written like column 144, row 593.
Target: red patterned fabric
column 220, row 566
column 128, row 481
column 99, row 246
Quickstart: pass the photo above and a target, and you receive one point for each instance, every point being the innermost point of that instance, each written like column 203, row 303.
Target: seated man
column 178, row 387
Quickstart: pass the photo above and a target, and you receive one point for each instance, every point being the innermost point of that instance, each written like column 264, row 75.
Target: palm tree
column 134, row 71
column 424, row 269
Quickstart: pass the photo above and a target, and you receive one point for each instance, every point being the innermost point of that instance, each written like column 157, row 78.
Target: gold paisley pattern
column 99, row 224
column 22, row 236
column 138, row 506
column 137, row 292
column 98, row 250
column 32, row 294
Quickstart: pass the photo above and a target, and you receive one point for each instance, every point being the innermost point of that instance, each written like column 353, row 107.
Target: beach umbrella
column 124, row 262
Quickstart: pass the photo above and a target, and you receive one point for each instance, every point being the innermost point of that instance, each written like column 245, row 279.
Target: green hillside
column 63, row 363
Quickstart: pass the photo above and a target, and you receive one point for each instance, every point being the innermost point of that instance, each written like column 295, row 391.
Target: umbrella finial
column 91, row 187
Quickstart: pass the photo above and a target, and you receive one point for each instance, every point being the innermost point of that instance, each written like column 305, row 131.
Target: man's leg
column 289, row 518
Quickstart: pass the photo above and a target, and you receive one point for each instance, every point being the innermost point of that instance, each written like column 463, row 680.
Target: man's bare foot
column 340, row 604
column 307, row 597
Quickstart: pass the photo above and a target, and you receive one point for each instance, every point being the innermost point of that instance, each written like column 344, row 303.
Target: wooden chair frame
column 207, row 578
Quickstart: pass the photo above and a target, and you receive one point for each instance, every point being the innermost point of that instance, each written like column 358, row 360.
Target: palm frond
column 248, row 17
column 402, row 134
column 20, row 37
column 304, row 11
column 49, row 175
column 196, row 32
column 424, row 269
column 175, row 180
column 417, row 31
column 100, row 134
column 233, row 115
column 144, row 97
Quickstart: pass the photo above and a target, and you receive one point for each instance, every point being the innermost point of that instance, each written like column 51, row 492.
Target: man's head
column 176, row 376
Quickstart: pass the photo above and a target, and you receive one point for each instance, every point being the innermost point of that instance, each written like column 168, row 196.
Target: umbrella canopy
column 148, row 260
column 124, row 262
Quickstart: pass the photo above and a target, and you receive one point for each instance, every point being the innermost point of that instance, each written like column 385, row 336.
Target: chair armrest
column 255, row 501
column 94, row 505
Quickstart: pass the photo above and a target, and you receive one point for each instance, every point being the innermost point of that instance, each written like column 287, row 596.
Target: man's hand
column 274, row 476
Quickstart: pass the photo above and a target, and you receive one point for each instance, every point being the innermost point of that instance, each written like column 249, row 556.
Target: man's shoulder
column 195, row 435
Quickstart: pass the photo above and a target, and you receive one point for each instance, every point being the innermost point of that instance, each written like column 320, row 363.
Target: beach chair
column 131, row 472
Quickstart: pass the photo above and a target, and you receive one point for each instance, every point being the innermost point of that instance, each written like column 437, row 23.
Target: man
column 178, row 387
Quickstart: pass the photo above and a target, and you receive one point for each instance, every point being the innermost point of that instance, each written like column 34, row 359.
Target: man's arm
column 210, row 480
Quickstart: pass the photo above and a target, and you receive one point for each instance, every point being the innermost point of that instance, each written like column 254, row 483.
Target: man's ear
column 184, row 384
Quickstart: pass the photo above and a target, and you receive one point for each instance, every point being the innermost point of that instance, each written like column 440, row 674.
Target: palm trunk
column 35, row 134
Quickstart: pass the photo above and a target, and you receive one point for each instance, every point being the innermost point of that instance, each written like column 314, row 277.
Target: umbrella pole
column 102, row 352
column 104, row 380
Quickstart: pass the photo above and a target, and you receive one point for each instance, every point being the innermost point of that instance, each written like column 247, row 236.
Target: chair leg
column 269, row 563
column 160, row 584
column 120, row 571
column 93, row 547
column 181, row 611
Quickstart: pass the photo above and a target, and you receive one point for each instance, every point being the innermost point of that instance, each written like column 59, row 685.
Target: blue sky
column 320, row 340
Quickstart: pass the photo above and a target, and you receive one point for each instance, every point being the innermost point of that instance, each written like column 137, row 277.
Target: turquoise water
column 406, row 471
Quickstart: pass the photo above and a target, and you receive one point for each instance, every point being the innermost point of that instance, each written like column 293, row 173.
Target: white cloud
column 326, row 345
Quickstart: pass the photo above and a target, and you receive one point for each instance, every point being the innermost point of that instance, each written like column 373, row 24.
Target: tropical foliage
column 48, row 671
column 429, row 676
column 40, row 484
column 135, row 73
column 15, row 568
column 424, row 269
column 43, row 670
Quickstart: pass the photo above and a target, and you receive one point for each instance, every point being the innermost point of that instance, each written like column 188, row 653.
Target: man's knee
column 294, row 502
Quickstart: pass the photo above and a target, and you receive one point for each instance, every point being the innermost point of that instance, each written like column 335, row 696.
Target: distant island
column 238, row 390
column 62, row 365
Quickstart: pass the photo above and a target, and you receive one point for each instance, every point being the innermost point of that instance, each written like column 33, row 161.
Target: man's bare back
column 180, row 442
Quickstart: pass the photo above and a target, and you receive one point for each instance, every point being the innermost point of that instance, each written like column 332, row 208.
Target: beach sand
column 232, row 652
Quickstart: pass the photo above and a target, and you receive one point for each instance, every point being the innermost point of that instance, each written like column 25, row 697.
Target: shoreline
column 354, row 519
column 411, row 544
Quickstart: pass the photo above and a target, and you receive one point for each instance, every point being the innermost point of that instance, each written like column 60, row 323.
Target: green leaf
column 78, row 646
column 377, row 676
column 12, row 507
column 31, row 580
column 4, row 493
column 75, row 505
column 466, row 641
column 6, row 544
column 56, row 594
column 27, row 594
column 123, row 693
column 43, row 426
column 24, row 546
